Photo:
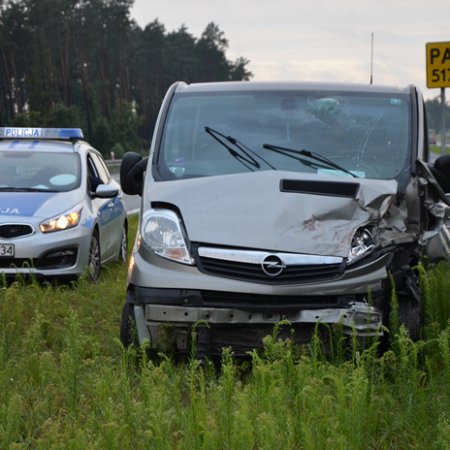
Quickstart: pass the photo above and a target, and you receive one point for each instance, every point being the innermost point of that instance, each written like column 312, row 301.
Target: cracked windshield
column 342, row 134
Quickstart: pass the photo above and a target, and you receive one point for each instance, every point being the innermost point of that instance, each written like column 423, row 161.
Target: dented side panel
column 435, row 212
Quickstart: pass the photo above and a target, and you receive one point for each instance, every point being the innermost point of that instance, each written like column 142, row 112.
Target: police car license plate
column 6, row 250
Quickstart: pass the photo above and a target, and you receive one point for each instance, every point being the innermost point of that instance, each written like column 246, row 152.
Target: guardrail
column 113, row 165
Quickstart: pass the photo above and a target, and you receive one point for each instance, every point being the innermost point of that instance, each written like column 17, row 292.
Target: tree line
column 86, row 63
column 434, row 114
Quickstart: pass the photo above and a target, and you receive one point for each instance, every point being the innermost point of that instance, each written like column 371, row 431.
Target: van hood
column 276, row 210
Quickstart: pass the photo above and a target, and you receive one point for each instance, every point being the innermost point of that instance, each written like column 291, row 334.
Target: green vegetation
column 437, row 149
column 434, row 113
column 66, row 382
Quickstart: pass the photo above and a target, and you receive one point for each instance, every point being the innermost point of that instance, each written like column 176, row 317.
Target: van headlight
column 362, row 244
column 64, row 221
column 162, row 231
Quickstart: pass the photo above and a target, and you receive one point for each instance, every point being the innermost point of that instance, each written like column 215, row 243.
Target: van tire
column 128, row 329
column 410, row 315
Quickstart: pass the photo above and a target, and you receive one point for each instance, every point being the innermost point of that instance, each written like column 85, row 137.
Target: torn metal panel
column 435, row 236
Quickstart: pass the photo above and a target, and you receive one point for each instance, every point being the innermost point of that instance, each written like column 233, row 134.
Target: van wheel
column 123, row 251
column 128, row 329
column 410, row 315
column 409, row 305
column 94, row 258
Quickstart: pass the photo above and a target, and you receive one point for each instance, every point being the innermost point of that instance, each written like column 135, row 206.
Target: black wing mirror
column 442, row 172
column 132, row 171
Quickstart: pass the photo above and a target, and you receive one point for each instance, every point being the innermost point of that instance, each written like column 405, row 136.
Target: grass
column 437, row 149
column 67, row 383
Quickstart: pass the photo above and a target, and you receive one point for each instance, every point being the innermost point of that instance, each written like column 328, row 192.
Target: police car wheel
column 94, row 258
column 123, row 252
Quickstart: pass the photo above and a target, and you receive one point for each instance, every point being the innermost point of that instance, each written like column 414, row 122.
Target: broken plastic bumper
column 358, row 318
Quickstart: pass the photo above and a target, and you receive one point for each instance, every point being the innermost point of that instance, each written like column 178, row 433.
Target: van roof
column 289, row 86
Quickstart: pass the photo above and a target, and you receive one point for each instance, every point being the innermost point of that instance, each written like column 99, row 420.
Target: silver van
column 263, row 202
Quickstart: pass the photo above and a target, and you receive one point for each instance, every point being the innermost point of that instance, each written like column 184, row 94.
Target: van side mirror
column 132, row 171
column 442, row 172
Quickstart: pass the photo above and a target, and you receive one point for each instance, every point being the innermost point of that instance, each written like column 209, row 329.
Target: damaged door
column 434, row 194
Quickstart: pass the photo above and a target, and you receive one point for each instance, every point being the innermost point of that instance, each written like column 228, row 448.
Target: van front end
column 233, row 269
column 225, row 311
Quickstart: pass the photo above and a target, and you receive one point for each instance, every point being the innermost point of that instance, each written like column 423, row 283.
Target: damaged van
column 263, row 202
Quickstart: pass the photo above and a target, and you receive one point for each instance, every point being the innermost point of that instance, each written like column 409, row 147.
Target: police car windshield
column 39, row 171
column 368, row 133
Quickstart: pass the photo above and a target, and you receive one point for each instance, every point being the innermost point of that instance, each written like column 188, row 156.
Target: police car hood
column 43, row 205
column 276, row 210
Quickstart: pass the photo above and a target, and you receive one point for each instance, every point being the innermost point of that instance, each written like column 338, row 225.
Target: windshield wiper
column 316, row 156
column 244, row 157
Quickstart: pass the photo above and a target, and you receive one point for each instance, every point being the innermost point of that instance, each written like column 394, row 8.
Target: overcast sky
column 318, row 40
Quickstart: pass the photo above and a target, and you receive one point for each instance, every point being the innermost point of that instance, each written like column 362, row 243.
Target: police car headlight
column 64, row 221
column 162, row 231
column 362, row 244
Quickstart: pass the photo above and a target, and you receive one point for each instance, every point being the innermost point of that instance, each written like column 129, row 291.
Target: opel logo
column 272, row 265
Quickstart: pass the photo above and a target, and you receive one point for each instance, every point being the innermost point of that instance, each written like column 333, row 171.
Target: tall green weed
column 66, row 381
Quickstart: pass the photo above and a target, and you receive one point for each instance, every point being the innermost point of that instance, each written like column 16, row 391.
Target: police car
column 61, row 212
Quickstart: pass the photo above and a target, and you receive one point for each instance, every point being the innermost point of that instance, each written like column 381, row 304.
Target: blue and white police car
column 61, row 213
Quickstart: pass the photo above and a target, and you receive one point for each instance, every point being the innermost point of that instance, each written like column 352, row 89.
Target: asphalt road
column 132, row 202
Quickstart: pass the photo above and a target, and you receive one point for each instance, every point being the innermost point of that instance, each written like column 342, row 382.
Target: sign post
column 438, row 76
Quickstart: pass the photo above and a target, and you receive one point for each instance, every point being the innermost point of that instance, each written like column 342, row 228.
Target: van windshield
column 218, row 133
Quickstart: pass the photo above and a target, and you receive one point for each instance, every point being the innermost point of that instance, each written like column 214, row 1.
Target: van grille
column 292, row 274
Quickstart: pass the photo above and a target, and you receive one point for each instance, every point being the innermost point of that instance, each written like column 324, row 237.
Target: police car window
column 39, row 170
column 102, row 171
column 93, row 176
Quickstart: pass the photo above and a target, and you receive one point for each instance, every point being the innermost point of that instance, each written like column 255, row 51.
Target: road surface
column 132, row 202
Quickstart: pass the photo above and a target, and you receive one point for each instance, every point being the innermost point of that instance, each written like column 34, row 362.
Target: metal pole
column 443, row 133
column 371, row 59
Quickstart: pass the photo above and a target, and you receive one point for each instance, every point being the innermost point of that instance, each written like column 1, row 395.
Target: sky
column 317, row 40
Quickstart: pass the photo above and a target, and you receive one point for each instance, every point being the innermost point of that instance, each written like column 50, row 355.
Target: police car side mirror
column 106, row 191
column 132, row 171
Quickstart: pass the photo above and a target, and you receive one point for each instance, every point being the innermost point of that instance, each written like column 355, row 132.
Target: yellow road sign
column 438, row 64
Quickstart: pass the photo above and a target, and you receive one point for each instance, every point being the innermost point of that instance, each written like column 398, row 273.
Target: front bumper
column 153, row 271
column 59, row 254
column 170, row 300
column 243, row 331
column 166, row 317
